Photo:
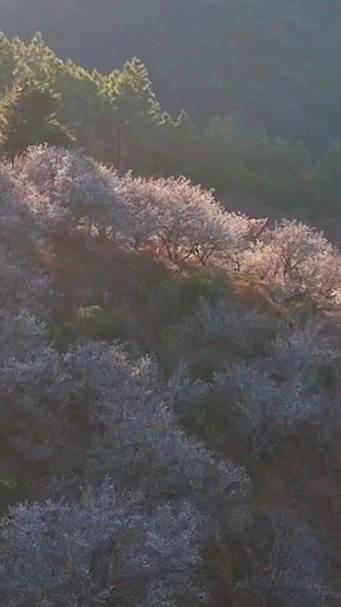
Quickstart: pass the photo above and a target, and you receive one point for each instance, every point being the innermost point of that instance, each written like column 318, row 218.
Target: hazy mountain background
column 274, row 62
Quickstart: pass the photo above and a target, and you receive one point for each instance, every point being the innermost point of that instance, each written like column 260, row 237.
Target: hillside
column 170, row 303
column 116, row 118
column 170, row 395
column 276, row 62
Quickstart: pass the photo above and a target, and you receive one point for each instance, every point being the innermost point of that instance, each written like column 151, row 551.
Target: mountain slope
column 275, row 62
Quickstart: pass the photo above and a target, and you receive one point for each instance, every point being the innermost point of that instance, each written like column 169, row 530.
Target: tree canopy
column 275, row 62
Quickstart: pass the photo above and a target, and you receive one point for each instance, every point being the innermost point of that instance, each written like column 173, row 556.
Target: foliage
column 184, row 219
column 120, row 481
column 104, row 547
column 68, row 191
column 275, row 63
column 27, row 117
column 117, row 119
column 287, row 392
column 66, row 188
column 297, row 257
column 218, row 322
column 289, row 565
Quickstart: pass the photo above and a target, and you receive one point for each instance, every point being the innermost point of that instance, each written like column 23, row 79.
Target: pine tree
column 7, row 62
column 36, row 62
column 136, row 107
column 27, row 117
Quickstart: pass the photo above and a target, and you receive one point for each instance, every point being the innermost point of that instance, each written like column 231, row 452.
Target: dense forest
column 170, row 395
column 275, row 62
column 240, row 96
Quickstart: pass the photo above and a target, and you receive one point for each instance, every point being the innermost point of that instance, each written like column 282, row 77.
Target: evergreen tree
column 7, row 62
column 27, row 117
column 36, row 62
column 86, row 109
column 136, row 108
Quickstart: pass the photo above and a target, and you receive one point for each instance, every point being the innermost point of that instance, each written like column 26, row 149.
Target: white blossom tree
column 214, row 322
column 289, row 564
column 110, row 544
column 106, row 547
column 183, row 219
column 286, row 392
column 66, row 189
column 295, row 256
